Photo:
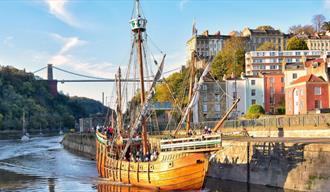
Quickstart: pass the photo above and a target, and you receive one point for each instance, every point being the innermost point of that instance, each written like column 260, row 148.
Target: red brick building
column 274, row 92
column 306, row 94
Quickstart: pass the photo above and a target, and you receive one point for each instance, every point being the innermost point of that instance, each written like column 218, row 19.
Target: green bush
column 255, row 111
column 281, row 110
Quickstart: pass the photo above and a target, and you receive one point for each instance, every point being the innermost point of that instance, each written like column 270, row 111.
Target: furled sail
column 195, row 97
column 146, row 106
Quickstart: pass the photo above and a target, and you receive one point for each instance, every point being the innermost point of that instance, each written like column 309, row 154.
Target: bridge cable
column 39, row 69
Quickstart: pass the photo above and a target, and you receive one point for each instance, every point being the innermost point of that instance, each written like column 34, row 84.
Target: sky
column 92, row 37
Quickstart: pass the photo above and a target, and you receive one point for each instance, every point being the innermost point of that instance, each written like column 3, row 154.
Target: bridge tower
column 52, row 84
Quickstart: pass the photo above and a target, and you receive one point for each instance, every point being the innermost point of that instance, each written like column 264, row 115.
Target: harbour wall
column 82, row 143
column 296, row 166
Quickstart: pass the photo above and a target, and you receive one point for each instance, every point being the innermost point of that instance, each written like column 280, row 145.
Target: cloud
column 69, row 43
column 8, row 41
column 58, row 9
column 64, row 58
column 183, row 3
column 327, row 4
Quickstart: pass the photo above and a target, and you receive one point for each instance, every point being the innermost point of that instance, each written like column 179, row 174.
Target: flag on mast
column 194, row 30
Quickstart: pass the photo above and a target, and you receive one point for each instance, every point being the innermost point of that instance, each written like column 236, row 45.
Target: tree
column 298, row 29
column 295, row 43
column 265, row 27
column 318, row 21
column 266, row 46
column 326, row 26
column 230, row 59
column 255, row 111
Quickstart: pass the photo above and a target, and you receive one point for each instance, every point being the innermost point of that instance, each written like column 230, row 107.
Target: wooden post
column 248, row 162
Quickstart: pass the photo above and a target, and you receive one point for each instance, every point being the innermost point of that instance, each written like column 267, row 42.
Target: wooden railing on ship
column 202, row 143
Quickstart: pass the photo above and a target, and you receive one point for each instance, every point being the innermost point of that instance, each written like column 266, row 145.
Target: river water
column 42, row 164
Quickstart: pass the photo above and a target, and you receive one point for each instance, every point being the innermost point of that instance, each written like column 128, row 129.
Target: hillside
column 21, row 91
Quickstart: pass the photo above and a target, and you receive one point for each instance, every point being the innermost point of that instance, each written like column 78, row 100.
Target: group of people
column 207, row 130
column 138, row 156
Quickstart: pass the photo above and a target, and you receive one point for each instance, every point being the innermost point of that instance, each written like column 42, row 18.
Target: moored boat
column 127, row 156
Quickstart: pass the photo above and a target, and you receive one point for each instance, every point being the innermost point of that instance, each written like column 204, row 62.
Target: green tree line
column 21, row 91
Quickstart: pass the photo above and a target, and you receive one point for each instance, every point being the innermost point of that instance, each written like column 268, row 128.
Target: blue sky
column 93, row 37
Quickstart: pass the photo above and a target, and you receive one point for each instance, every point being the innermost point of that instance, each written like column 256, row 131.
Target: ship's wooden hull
column 171, row 171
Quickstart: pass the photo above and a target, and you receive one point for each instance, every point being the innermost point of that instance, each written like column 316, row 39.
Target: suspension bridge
column 53, row 82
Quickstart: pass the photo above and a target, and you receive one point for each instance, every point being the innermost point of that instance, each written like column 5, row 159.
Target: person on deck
column 109, row 132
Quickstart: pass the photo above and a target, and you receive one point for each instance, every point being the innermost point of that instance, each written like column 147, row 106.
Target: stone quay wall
column 295, row 166
column 83, row 143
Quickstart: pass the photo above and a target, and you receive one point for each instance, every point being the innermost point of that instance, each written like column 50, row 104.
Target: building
column 318, row 41
column 306, row 94
column 318, row 67
column 250, row 89
column 274, row 92
column 236, row 89
column 212, row 101
column 271, row 61
column 257, row 37
column 206, row 46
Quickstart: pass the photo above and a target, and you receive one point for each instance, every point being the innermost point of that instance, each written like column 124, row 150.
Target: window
column 204, row 107
column 282, row 90
column 217, row 107
column 217, row 97
column 253, row 101
column 317, row 90
column 205, row 98
column 271, row 80
column 253, row 92
column 204, row 87
column 253, row 82
column 272, row 100
column 234, row 95
column 317, row 104
column 272, row 90
column 297, row 53
column 282, row 79
column 294, row 75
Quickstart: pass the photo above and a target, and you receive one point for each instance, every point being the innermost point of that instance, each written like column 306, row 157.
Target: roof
column 265, row 32
column 309, row 63
column 308, row 78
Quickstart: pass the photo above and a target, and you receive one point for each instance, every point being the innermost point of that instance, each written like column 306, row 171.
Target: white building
column 250, row 90
column 271, row 61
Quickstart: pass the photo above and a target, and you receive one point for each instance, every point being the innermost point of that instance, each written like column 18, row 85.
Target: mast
column 191, row 87
column 23, row 122
column 119, row 102
column 138, row 25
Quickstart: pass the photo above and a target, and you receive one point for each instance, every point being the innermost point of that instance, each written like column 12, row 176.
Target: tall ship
column 127, row 155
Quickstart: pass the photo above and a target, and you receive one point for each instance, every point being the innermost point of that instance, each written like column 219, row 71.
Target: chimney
column 217, row 33
column 206, row 33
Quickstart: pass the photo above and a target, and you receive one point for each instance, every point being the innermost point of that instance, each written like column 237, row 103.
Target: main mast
column 191, row 87
column 138, row 25
column 119, row 102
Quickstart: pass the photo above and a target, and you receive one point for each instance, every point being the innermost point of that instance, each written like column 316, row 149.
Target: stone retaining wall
column 81, row 143
column 300, row 166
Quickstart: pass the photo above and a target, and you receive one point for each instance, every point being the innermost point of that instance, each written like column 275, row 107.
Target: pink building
column 274, row 92
column 306, row 94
